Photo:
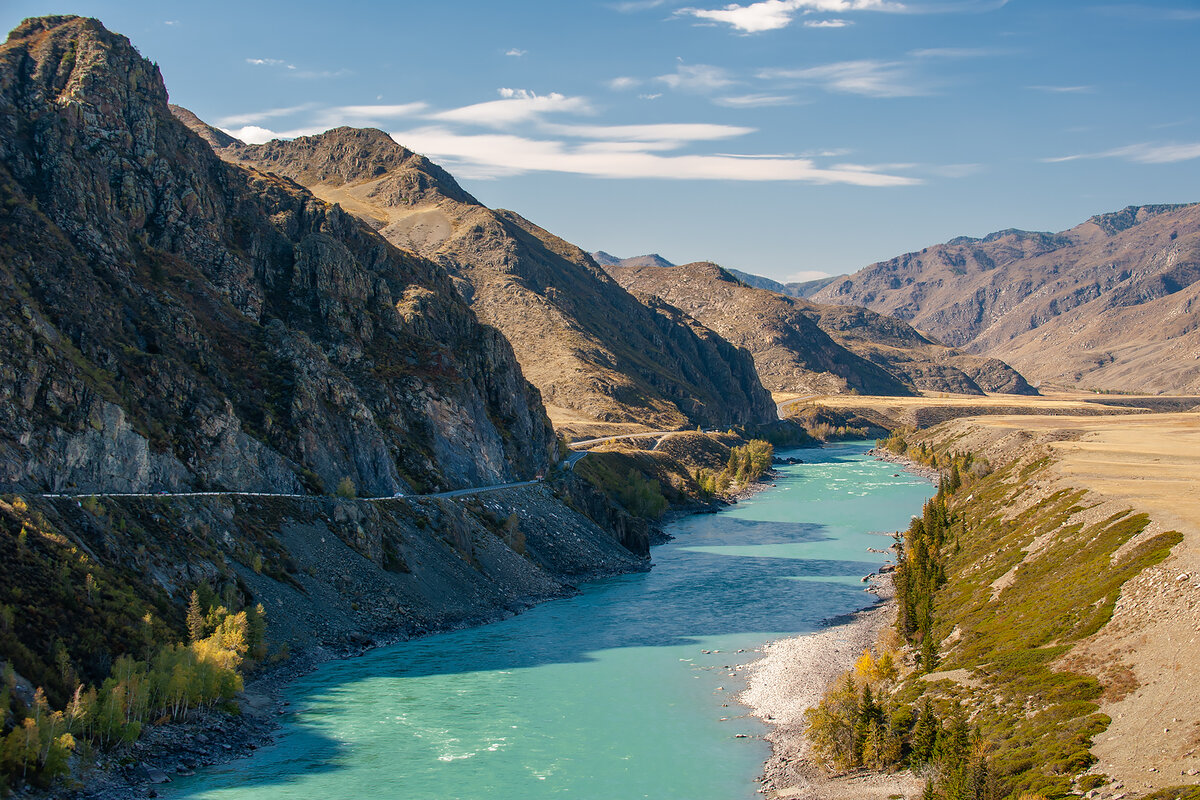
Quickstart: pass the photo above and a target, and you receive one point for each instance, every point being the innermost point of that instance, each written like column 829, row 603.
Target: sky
column 788, row 138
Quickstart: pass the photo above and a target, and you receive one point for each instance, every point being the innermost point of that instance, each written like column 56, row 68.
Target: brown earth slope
column 1113, row 303
column 592, row 349
column 803, row 347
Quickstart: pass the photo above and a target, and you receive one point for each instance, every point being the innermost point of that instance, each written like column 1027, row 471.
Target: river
column 609, row 695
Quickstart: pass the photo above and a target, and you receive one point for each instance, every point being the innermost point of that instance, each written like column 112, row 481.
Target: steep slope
column 1113, row 303
column 172, row 322
column 592, row 349
column 803, row 347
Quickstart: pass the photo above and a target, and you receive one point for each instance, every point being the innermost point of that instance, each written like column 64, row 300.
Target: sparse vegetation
column 972, row 601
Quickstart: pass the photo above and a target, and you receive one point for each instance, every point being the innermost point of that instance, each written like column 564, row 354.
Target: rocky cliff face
column 594, row 351
column 174, row 322
column 803, row 347
column 1112, row 303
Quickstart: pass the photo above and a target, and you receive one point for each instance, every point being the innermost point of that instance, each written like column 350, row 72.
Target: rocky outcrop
column 174, row 322
column 594, row 351
column 1111, row 303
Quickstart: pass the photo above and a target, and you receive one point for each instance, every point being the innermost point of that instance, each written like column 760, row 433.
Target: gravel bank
column 790, row 678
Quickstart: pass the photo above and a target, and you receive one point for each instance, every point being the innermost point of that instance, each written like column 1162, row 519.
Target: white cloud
column 827, row 23
column 805, row 275
column 267, row 62
column 515, row 52
column 1061, row 89
column 950, row 52
column 171, row 22
column 697, row 78
column 254, row 134
column 660, row 132
column 754, row 100
column 1143, row 153
column 650, row 96
column 494, row 155
column 252, row 117
column 624, row 82
column 866, row 77
column 516, row 106
column 769, row 15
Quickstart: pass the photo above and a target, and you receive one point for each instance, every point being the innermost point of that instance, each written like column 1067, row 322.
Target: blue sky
column 790, row 138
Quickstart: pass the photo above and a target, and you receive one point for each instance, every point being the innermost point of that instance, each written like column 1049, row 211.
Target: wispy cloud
column 865, row 77
column 757, row 100
column 770, row 15
column 671, row 132
column 171, row 22
column 1062, row 89
column 253, row 117
column 951, row 52
column 650, row 96
column 624, row 82
column 515, row 106
column 515, row 52
column 292, row 71
column 697, row 78
column 495, row 155
column 530, row 135
column 827, row 23
column 1142, row 153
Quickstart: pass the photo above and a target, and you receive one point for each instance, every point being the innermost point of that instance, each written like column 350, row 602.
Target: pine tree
column 195, row 618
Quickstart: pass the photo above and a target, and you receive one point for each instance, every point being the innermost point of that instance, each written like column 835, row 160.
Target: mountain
column 794, row 289
column 803, row 347
column 597, row 354
column 1113, row 303
column 649, row 260
column 172, row 322
column 195, row 354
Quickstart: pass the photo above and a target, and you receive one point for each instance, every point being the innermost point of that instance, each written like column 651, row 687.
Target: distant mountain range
column 1113, row 303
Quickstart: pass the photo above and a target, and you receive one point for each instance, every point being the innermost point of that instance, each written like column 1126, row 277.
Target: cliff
column 173, row 322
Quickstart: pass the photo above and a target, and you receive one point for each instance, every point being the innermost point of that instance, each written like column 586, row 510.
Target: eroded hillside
column 1113, row 303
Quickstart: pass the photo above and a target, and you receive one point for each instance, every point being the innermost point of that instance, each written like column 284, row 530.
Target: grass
column 1061, row 587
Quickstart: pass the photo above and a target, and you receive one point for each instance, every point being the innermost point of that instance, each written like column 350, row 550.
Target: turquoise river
column 605, row 696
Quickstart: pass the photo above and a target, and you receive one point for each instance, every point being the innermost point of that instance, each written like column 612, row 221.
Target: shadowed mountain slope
column 1113, row 303
column 173, row 322
column 593, row 350
column 804, row 347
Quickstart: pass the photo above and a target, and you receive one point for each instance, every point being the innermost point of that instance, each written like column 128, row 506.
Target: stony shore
column 790, row 678
column 794, row 673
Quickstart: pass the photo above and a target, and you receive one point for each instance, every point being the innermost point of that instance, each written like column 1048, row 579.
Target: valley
column 318, row 473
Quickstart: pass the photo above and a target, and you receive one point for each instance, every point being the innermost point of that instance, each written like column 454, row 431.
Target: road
column 453, row 493
column 779, row 407
column 603, row 439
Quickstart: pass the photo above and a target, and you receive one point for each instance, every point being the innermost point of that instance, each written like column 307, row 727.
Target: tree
column 195, row 618
column 346, row 488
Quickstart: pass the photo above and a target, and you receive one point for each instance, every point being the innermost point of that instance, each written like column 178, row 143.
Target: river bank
column 793, row 675
column 790, row 678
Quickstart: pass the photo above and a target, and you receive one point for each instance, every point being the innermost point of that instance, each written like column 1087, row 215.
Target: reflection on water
column 604, row 695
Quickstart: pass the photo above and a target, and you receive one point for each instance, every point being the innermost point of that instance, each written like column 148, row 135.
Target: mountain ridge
column 597, row 354
column 1110, row 303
